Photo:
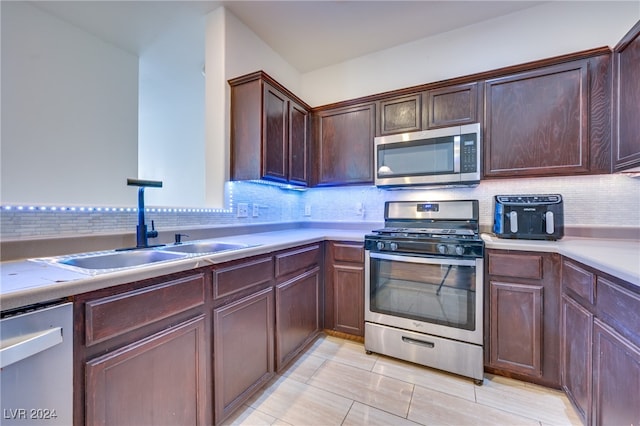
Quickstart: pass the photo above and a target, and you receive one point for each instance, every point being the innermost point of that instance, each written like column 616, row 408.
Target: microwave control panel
column 468, row 154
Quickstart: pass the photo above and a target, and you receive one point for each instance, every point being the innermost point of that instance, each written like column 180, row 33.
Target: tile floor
column 335, row 383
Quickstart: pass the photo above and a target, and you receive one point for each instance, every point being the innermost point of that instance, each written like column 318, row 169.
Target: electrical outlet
column 256, row 210
column 243, row 210
column 307, row 209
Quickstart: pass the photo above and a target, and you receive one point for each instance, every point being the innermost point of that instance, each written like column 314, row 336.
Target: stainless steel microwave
column 443, row 157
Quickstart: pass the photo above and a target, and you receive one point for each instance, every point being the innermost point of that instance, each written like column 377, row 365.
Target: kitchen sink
column 112, row 261
column 203, row 247
column 119, row 260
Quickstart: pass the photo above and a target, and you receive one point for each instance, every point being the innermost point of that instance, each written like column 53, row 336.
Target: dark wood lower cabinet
column 616, row 378
column 600, row 351
column 522, row 335
column 298, row 315
column 516, row 327
column 344, row 288
column 348, row 299
column 243, row 350
column 160, row 380
column 577, row 340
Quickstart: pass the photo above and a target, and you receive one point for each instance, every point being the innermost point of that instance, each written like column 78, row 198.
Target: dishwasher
column 36, row 365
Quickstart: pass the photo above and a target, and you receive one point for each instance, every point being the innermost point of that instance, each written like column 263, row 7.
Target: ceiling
column 308, row 34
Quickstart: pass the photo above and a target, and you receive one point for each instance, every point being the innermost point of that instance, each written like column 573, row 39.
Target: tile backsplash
column 602, row 200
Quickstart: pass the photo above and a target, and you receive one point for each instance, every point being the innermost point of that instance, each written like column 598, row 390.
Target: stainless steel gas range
column 424, row 286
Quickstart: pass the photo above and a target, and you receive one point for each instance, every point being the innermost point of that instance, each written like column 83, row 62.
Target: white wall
column 171, row 123
column 232, row 50
column 246, row 52
column 551, row 29
column 69, row 113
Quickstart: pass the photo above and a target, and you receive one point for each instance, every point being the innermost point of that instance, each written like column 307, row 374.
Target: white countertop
column 26, row 282
column 619, row 258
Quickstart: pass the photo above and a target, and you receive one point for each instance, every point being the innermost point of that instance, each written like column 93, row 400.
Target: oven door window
column 435, row 293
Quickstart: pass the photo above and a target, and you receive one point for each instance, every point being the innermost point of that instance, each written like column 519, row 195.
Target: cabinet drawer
column 235, row 278
column 578, row 280
column 115, row 315
column 516, row 265
column 297, row 260
column 345, row 252
column 620, row 308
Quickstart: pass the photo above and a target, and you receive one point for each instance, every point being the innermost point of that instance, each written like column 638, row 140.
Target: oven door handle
column 424, row 260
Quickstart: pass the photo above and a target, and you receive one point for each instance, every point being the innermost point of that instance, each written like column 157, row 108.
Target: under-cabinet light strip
column 55, row 209
column 74, row 209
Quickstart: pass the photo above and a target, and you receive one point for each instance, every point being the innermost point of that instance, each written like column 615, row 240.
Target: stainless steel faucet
column 142, row 235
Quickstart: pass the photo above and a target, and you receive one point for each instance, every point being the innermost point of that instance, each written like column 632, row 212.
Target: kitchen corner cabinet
column 269, row 131
column 298, row 296
column 344, row 138
column 344, row 287
column 600, row 345
column 552, row 120
column 626, row 101
column 522, row 315
column 142, row 353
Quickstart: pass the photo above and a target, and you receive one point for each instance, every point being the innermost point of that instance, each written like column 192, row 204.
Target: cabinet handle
column 418, row 342
column 29, row 345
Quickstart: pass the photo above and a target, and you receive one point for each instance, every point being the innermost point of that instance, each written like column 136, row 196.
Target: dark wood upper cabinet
column 399, row 115
column 269, row 131
column 549, row 121
column 451, row 105
column 626, row 101
column 344, row 138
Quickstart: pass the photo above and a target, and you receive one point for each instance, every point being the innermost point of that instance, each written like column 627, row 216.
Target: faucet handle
column 179, row 238
column 153, row 233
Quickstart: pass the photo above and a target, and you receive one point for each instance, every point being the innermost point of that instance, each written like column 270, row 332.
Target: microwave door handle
column 456, row 154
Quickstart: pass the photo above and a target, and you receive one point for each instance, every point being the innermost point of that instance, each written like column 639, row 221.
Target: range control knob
column 442, row 249
column 393, row 246
column 379, row 245
column 459, row 250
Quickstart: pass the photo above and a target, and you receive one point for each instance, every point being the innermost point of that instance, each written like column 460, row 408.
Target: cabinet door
column 348, row 301
column 452, row 106
column 536, row 123
column 297, row 315
column 275, row 134
column 242, row 350
column 298, row 144
column 516, row 327
column 616, row 378
column 576, row 335
column 523, row 315
column 158, row 380
column 626, row 101
column 345, row 151
column 399, row 115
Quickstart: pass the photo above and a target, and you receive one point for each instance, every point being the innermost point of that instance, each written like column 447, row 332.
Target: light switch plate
column 256, row 210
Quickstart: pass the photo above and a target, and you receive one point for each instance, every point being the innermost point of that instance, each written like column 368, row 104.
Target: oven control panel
column 438, row 247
